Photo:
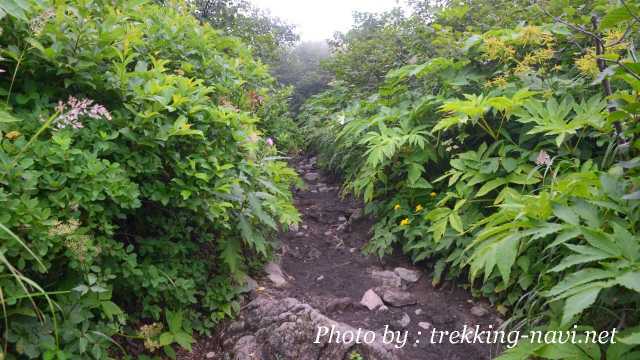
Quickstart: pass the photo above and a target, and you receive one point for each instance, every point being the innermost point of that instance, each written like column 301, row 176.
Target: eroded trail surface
column 320, row 280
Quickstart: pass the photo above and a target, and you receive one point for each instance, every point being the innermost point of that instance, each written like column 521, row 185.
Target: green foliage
column 266, row 35
column 509, row 157
column 135, row 178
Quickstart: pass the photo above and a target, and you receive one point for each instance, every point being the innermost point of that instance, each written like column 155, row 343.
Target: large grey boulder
column 288, row 329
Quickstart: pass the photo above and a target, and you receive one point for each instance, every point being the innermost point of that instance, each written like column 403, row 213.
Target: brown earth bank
column 322, row 298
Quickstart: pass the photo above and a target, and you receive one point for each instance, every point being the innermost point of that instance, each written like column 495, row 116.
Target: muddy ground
column 321, row 274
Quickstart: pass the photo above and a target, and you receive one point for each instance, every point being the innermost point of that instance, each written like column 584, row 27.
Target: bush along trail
column 136, row 184
column 473, row 163
column 320, row 284
column 498, row 141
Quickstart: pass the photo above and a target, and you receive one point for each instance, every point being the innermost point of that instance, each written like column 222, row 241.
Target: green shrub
column 134, row 170
column 506, row 164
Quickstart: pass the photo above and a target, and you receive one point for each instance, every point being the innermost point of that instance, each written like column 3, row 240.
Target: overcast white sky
column 319, row 19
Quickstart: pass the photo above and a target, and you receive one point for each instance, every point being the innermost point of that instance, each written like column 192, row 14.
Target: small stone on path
column 398, row 298
column 479, row 311
column 249, row 285
column 311, row 176
column 371, row 300
column 387, row 278
column 403, row 322
column 274, row 273
column 407, row 274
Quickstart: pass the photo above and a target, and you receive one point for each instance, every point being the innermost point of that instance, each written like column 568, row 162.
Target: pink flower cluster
column 73, row 109
column 543, row 159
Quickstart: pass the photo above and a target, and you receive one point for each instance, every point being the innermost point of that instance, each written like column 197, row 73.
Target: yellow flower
column 419, row 208
column 522, row 68
column 530, row 35
column 404, row 222
column 499, row 81
column 497, row 49
column 587, row 64
column 397, row 207
column 543, row 55
column 613, row 41
column 12, row 135
column 433, row 194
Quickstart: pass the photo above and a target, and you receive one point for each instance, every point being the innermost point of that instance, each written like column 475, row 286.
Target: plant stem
column 487, row 128
column 15, row 72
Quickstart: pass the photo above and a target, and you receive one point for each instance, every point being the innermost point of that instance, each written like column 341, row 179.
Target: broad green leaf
column 456, row 222
column 585, row 254
column 490, row 185
column 566, row 214
column 579, row 278
column 602, row 241
column 183, row 339
column 577, row 303
column 614, row 17
column 174, row 319
column 110, row 309
column 630, row 280
column 166, row 338
column 5, row 117
column 632, row 339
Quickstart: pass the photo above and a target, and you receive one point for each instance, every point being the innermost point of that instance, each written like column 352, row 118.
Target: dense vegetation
column 498, row 141
column 266, row 35
column 138, row 181
column 142, row 173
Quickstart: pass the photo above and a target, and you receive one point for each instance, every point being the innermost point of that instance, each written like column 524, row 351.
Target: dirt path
column 319, row 281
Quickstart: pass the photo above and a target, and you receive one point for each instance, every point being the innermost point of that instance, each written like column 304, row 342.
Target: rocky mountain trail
column 322, row 280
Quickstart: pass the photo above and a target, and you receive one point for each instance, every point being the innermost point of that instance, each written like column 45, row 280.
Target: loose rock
column 371, row 300
column 408, row 275
column 249, row 285
column 403, row 322
column 398, row 298
column 425, row 325
column 387, row 278
column 339, row 304
column 479, row 311
column 274, row 273
column 289, row 328
column 311, row 176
